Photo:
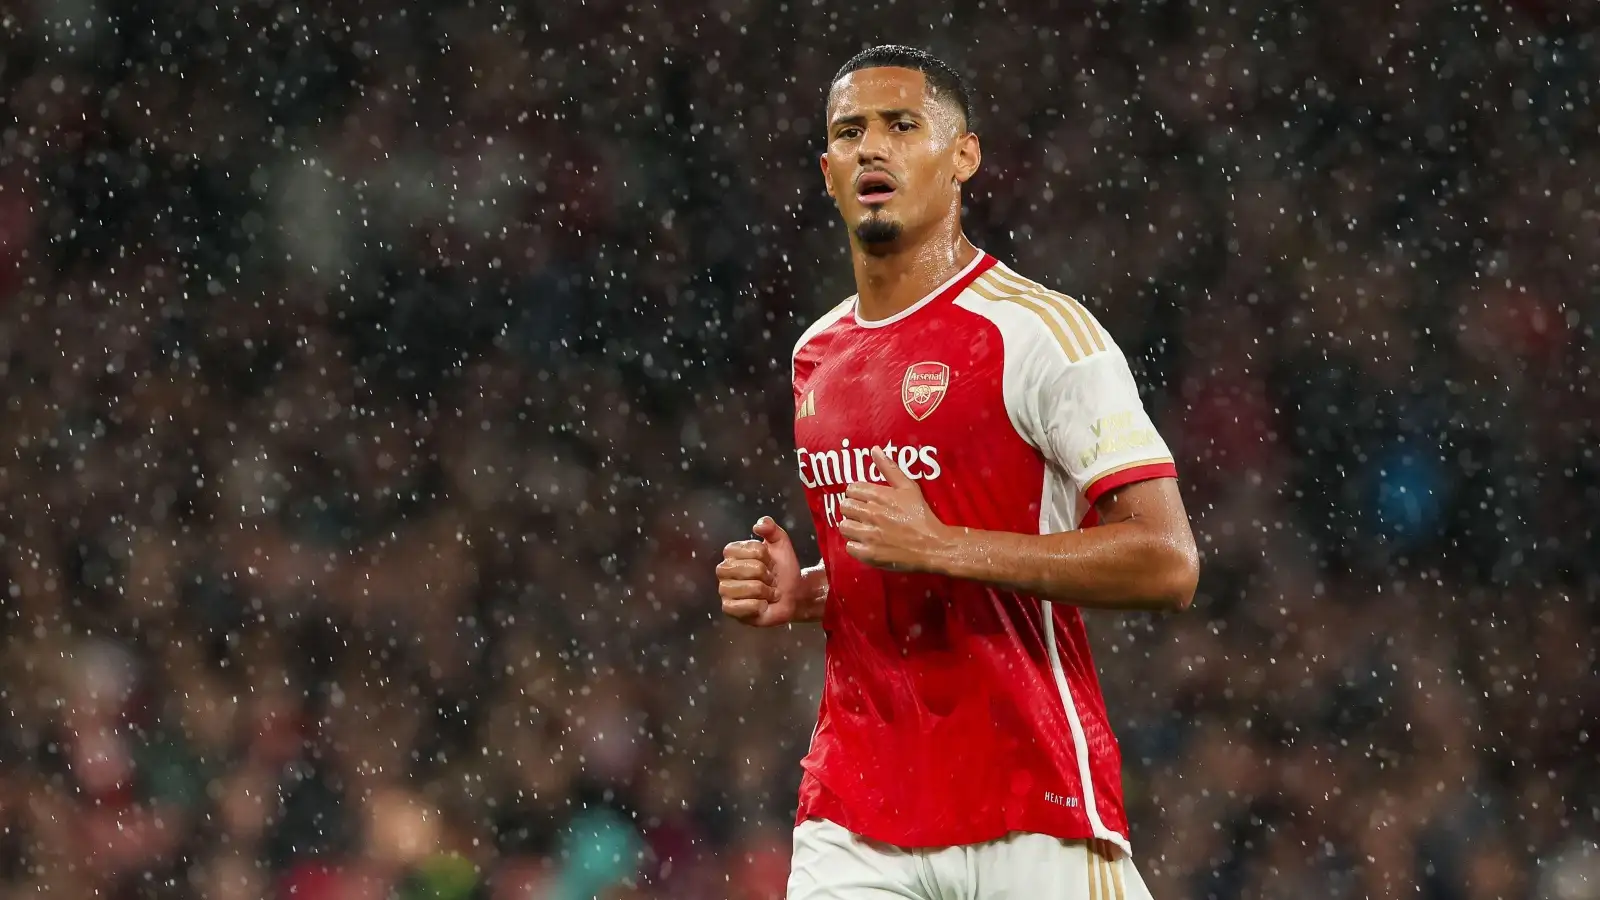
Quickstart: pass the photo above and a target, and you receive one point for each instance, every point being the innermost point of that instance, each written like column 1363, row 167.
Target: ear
column 968, row 155
column 827, row 182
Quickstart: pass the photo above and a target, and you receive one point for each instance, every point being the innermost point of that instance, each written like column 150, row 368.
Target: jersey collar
column 957, row 283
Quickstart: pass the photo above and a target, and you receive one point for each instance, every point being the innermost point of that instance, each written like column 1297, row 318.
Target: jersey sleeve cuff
column 1144, row 470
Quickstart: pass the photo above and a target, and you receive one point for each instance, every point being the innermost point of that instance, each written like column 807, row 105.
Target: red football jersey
column 954, row 712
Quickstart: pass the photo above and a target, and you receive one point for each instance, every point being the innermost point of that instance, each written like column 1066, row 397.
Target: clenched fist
column 760, row 581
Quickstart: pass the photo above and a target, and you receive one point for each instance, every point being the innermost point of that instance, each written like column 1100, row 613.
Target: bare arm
column 1141, row 556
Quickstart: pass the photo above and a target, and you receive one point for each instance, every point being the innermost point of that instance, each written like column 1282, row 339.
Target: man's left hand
column 890, row 525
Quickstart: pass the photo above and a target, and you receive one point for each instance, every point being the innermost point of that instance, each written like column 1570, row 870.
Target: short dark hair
column 945, row 81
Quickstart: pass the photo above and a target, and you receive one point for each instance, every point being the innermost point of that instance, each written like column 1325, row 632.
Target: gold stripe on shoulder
column 1020, row 285
column 1089, row 322
column 1083, row 324
column 993, row 289
column 996, row 291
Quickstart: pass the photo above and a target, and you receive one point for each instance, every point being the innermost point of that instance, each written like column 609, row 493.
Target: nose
column 874, row 146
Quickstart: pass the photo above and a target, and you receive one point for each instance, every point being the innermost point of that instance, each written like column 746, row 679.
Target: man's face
column 896, row 155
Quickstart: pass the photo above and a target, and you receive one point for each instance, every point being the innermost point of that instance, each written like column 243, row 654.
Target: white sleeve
column 1087, row 418
column 1069, row 391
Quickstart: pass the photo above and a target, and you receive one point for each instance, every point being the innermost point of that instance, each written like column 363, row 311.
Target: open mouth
column 874, row 188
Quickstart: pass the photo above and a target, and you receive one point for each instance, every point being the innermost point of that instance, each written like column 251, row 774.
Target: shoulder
column 828, row 319
column 1034, row 319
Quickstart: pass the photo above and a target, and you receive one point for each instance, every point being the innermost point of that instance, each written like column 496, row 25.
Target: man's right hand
column 760, row 580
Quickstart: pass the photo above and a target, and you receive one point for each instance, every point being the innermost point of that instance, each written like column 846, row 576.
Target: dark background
column 382, row 381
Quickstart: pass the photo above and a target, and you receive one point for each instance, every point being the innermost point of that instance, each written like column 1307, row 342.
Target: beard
column 877, row 230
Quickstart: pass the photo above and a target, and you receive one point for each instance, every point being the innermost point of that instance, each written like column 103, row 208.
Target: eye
column 848, row 133
column 903, row 125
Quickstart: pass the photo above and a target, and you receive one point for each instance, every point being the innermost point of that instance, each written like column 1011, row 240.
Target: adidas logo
column 808, row 406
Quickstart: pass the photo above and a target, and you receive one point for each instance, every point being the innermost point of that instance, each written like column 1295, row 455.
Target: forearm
column 815, row 595
column 1122, row 565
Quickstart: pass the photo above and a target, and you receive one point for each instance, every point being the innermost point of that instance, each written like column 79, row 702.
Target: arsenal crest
column 923, row 387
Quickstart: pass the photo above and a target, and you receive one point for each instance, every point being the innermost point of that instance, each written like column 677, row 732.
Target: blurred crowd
column 382, row 381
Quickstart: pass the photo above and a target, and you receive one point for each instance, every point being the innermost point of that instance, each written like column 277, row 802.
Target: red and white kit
column 956, row 713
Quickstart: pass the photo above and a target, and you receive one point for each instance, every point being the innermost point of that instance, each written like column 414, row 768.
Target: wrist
column 813, row 593
column 941, row 554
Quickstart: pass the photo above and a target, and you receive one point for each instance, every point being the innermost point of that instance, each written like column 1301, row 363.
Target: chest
column 931, row 395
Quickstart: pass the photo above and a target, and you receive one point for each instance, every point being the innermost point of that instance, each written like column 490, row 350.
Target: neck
column 888, row 283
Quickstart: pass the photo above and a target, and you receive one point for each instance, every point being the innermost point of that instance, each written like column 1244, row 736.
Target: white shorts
column 830, row 863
